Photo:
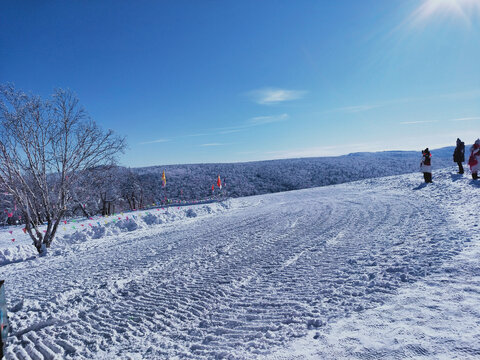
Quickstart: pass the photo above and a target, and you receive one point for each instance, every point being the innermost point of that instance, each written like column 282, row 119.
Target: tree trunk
column 104, row 207
column 35, row 235
column 43, row 241
column 85, row 213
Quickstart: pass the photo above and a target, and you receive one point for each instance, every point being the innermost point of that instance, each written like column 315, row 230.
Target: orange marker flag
column 164, row 179
column 219, row 182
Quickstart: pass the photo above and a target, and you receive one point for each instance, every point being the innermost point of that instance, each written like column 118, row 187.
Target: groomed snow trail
column 436, row 317
column 237, row 284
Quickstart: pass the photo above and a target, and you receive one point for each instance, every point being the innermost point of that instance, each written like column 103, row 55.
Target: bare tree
column 44, row 147
column 107, row 188
column 95, row 191
column 131, row 190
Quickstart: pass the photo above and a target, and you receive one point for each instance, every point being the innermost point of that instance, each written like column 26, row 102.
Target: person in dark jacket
column 426, row 165
column 459, row 155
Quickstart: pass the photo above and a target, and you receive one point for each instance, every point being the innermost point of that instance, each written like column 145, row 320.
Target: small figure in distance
column 459, row 155
column 426, row 165
column 474, row 160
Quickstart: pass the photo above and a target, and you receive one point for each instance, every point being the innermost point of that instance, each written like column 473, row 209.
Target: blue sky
column 226, row 81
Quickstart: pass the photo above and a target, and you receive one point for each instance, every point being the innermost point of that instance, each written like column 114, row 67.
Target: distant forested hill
column 121, row 189
column 254, row 178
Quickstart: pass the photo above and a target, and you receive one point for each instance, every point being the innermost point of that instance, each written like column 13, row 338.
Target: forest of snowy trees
column 108, row 189
column 194, row 181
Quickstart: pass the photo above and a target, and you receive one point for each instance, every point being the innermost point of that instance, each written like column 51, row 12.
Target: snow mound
column 190, row 213
column 81, row 231
column 151, row 219
column 17, row 253
column 127, row 225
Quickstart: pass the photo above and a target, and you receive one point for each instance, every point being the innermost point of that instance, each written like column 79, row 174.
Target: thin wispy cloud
column 269, row 96
column 467, row 118
column 231, row 131
column 261, row 120
column 212, row 144
column 470, row 94
column 254, row 121
column 418, row 122
column 155, row 141
column 196, row 135
column 357, row 108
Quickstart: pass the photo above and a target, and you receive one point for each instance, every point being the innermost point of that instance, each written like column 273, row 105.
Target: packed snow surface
column 380, row 268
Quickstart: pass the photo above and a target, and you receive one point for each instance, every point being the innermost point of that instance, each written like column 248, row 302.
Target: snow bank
column 16, row 246
column 16, row 253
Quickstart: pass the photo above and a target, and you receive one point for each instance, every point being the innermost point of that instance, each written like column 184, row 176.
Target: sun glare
column 462, row 9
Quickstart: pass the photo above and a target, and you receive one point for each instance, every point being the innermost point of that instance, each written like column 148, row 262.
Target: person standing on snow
column 426, row 165
column 459, row 155
column 474, row 160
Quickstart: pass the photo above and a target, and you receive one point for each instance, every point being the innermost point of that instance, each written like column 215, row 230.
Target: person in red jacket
column 426, row 165
column 474, row 160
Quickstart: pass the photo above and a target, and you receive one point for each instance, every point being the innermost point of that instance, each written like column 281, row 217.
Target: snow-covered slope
column 319, row 273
